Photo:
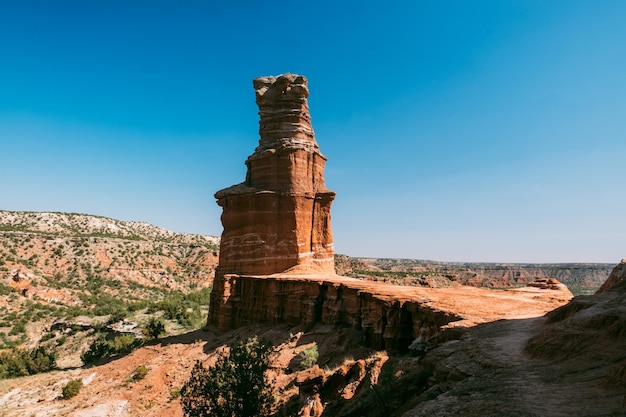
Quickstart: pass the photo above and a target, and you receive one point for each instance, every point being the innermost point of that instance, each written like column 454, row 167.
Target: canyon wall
column 616, row 279
column 387, row 320
column 581, row 278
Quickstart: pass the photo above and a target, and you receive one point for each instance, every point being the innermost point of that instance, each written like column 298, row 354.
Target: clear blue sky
column 455, row 130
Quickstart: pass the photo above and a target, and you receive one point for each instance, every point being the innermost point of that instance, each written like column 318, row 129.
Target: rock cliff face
column 388, row 316
column 387, row 320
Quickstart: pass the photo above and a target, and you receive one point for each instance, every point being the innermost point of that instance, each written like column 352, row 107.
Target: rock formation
column 277, row 264
column 278, row 220
column 388, row 318
column 617, row 277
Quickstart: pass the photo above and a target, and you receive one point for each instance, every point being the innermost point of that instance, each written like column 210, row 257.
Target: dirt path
column 503, row 381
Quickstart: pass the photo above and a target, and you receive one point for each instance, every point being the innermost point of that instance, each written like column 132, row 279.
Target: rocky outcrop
column 278, row 220
column 546, row 284
column 317, row 388
column 387, row 321
column 617, row 278
column 388, row 316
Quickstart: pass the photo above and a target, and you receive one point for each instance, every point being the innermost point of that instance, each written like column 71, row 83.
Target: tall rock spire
column 278, row 220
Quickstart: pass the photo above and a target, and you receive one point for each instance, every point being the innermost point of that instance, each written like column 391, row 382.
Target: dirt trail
column 525, row 375
column 502, row 380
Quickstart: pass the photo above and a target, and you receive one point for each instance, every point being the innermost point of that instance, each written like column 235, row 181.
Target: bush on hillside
column 139, row 373
column 71, row 389
column 103, row 348
column 154, row 328
column 236, row 386
column 22, row 362
column 308, row 357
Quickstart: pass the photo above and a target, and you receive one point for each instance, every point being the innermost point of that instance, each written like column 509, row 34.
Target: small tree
column 236, row 386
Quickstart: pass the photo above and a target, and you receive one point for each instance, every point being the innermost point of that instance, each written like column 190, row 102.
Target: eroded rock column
column 278, row 219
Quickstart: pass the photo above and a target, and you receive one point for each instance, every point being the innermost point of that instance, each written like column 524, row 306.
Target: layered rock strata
column 278, row 219
column 389, row 316
column 387, row 322
column 617, row 277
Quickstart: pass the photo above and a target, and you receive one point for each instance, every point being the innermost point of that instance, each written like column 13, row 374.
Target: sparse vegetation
column 184, row 308
column 139, row 373
column 6, row 290
column 174, row 394
column 236, row 386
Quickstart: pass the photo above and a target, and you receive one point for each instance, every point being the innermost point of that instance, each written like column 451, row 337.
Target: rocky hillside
column 579, row 278
column 40, row 247
column 59, row 270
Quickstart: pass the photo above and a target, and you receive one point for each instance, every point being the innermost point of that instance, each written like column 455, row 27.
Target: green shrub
column 154, row 328
column 139, row 373
column 125, row 343
column 184, row 308
column 236, row 386
column 6, row 290
column 174, row 394
column 22, row 362
column 47, row 336
column 73, row 312
column 19, row 327
column 98, row 349
column 308, row 357
column 71, row 389
column 102, row 348
column 118, row 315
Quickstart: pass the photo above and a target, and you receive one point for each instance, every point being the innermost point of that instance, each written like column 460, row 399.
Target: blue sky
column 455, row 130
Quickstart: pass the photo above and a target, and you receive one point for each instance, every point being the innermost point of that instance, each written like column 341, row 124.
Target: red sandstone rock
column 546, row 284
column 309, row 383
column 278, row 220
column 390, row 316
